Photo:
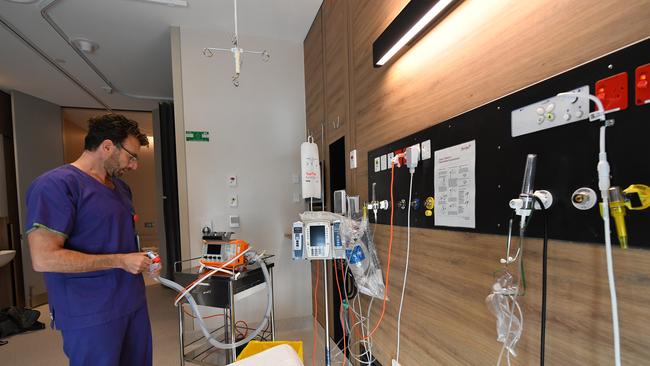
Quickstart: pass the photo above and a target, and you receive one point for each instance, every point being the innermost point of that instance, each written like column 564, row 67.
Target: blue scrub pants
column 122, row 342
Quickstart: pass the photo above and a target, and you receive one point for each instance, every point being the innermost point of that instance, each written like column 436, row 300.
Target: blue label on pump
column 355, row 255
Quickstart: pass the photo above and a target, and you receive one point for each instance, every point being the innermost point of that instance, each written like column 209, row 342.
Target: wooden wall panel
column 337, row 93
column 482, row 51
column 313, row 50
column 445, row 320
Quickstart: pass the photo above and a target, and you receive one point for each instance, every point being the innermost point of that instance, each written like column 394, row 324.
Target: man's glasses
column 133, row 157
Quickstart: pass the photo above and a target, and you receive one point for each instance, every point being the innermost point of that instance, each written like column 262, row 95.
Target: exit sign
column 197, row 136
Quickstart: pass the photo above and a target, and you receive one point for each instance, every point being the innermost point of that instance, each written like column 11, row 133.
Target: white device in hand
column 318, row 240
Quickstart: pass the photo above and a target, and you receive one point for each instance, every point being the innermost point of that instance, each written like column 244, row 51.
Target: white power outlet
column 353, row 159
column 233, row 201
column 232, row 181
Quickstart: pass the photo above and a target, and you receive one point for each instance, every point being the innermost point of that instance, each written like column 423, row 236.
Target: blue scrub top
column 94, row 219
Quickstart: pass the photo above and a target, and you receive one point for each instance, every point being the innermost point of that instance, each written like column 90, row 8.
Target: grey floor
column 45, row 347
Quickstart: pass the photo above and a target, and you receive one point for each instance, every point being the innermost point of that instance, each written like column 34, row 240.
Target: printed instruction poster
column 455, row 186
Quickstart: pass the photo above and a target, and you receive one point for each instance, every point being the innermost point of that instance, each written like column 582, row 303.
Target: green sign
column 197, row 136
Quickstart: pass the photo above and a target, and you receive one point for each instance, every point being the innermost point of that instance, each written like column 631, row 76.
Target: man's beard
column 112, row 166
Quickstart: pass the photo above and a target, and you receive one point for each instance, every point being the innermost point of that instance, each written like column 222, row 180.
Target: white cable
column 599, row 114
column 406, row 267
column 212, row 272
column 604, row 185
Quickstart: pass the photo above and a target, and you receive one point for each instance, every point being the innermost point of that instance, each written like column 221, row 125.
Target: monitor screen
column 214, row 249
column 317, row 235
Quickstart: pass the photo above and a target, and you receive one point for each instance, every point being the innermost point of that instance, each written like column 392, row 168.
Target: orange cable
column 390, row 247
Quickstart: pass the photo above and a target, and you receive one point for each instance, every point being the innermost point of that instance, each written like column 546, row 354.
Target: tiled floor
column 45, row 347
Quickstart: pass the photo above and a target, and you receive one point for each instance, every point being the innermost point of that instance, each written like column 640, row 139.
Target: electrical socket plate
column 425, row 148
column 548, row 113
column 232, row 181
column 353, row 159
column 233, row 201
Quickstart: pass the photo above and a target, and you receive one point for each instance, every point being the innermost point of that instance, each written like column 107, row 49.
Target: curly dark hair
column 114, row 127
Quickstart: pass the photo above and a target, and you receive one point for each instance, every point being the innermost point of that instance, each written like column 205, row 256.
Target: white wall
column 255, row 133
column 38, row 141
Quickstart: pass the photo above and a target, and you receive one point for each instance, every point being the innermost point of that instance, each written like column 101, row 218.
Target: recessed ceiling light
column 23, row 1
column 86, row 45
column 172, row 3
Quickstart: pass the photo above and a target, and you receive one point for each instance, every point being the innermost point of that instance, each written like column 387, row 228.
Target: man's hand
column 135, row 263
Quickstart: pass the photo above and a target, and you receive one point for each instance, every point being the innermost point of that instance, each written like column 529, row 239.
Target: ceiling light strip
column 11, row 28
column 46, row 6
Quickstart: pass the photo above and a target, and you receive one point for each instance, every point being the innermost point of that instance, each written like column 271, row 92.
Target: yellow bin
column 255, row 347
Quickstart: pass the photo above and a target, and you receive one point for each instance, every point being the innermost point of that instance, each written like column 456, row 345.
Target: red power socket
column 612, row 91
column 641, row 76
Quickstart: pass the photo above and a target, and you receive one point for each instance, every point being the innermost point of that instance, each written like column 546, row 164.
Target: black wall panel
column 567, row 157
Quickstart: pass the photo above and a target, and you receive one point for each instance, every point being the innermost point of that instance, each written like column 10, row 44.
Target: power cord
column 406, row 267
column 544, row 283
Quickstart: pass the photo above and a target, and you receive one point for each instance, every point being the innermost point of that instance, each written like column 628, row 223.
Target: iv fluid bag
column 310, row 170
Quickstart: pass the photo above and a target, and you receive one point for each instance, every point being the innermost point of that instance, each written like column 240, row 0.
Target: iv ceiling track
column 45, row 8
column 11, row 28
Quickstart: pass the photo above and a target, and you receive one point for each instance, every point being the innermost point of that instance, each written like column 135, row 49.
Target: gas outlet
column 548, row 113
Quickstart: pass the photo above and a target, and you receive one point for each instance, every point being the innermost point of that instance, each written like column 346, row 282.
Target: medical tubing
column 390, row 248
column 338, row 286
column 544, row 283
column 508, row 344
column 187, row 290
column 203, row 326
column 315, row 326
column 406, row 267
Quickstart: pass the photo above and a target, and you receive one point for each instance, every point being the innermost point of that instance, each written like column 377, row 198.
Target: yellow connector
column 638, row 197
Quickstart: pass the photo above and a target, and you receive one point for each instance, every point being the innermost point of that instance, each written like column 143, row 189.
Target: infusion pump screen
column 317, row 236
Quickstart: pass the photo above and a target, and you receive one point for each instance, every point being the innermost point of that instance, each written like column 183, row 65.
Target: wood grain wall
column 480, row 52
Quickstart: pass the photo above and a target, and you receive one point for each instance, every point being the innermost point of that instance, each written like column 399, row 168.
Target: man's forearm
column 70, row 261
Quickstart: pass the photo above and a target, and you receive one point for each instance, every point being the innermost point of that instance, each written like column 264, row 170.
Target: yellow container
column 255, row 347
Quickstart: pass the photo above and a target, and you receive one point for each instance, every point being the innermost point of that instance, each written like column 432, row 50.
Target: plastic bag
column 502, row 303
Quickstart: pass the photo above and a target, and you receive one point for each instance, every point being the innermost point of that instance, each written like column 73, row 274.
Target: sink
column 6, row 256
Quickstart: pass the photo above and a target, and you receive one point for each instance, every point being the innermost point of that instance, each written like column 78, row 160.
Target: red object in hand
column 642, row 92
column 613, row 91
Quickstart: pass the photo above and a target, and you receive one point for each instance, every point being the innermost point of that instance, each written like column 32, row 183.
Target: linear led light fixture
column 409, row 23
column 172, row 3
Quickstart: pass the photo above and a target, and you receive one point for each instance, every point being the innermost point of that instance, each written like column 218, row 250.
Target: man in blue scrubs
column 80, row 225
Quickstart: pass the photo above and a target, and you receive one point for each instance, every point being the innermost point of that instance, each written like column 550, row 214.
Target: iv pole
column 236, row 51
